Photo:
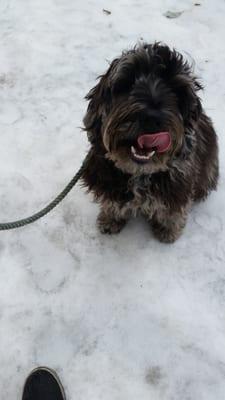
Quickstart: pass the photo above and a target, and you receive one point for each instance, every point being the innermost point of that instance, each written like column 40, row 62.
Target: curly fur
column 150, row 88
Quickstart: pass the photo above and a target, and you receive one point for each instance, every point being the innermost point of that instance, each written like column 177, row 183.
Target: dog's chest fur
column 142, row 201
column 126, row 195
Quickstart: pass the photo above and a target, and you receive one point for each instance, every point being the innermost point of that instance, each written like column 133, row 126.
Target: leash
column 25, row 221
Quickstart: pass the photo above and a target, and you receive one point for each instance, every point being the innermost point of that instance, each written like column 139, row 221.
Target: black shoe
column 43, row 384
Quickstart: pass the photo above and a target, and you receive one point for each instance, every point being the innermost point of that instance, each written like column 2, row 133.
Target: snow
column 119, row 317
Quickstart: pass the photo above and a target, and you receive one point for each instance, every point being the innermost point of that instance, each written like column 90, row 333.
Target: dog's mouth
column 149, row 144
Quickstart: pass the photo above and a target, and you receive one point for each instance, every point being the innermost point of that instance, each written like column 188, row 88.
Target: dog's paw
column 107, row 224
column 166, row 234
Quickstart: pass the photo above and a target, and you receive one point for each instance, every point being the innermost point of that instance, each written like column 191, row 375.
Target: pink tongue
column 161, row 141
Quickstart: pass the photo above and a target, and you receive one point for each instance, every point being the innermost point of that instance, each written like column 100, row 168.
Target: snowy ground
column 120, row 317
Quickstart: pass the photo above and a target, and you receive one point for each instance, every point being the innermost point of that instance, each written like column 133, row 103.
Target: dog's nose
column 149, row 123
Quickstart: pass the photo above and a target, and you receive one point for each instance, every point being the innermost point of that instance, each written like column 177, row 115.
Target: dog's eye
column 128, row 123
column 133, row 118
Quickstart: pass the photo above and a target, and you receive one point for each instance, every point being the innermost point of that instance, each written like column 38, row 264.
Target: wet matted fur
column 149, row 89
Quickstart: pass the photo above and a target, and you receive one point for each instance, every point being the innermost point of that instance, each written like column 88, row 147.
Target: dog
column 153, row 149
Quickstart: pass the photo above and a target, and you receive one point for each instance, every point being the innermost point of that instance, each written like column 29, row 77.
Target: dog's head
column 142, row 109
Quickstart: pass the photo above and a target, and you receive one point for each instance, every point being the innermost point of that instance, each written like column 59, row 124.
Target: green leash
column 25, row 221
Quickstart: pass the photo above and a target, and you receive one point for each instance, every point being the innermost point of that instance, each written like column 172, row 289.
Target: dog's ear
column 185, row 85
column 99, row 99
column 178, row 73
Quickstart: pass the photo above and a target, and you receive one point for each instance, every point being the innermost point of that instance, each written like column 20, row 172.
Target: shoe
column 43, row 384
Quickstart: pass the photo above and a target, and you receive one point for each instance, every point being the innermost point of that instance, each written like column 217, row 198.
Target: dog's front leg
column 167, row 226
column 112, row 217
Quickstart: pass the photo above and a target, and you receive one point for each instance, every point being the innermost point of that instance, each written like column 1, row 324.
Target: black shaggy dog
column 153, row 149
